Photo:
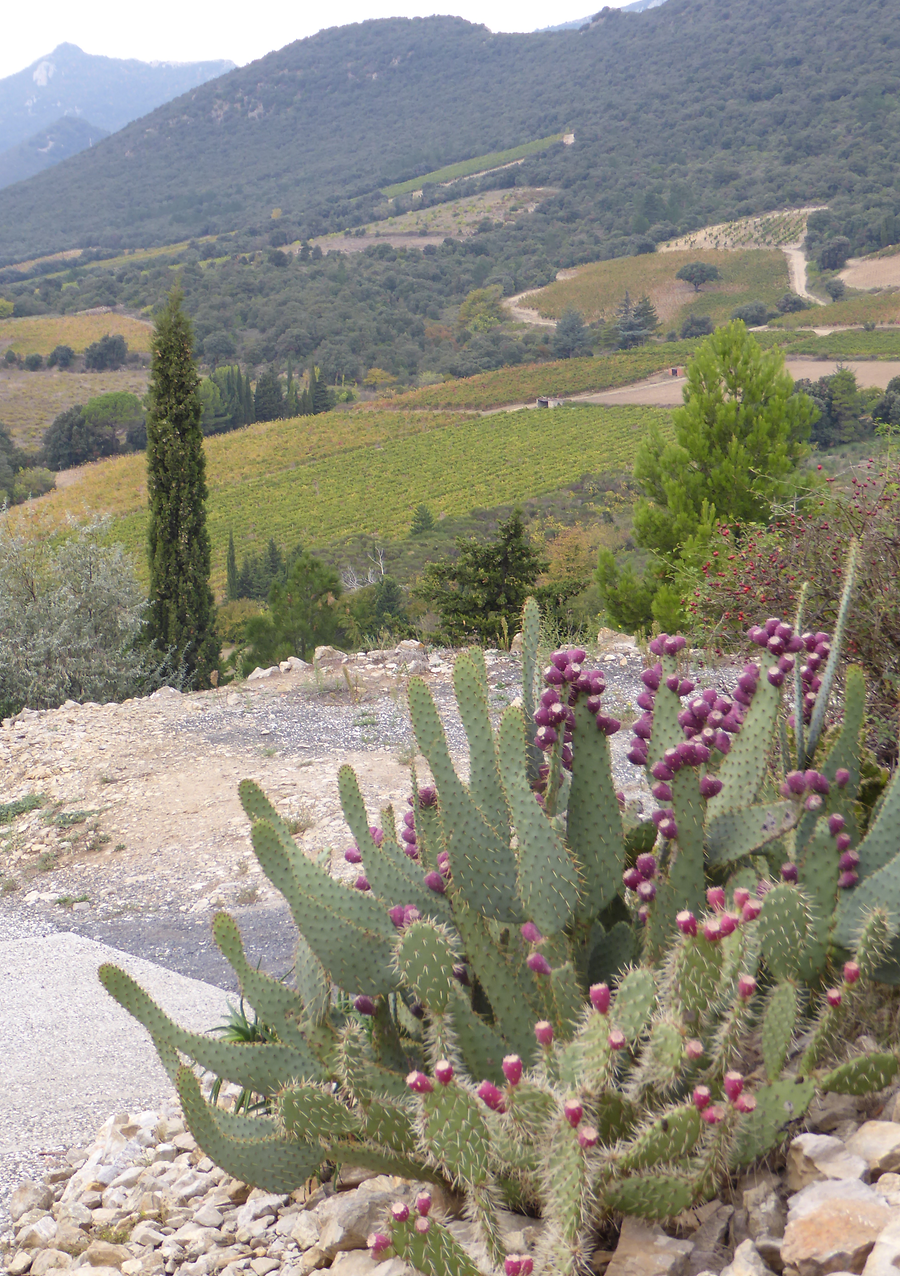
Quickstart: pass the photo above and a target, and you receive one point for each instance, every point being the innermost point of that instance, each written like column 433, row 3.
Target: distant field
column 30, row 401
column 596, row 290
column 282, row 479
column 876, row 271
column 854, row 344
column 465, row 168
column 39, row 334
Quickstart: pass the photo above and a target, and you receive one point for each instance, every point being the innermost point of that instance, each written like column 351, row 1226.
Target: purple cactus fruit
column 543, row 1031
column 732, row 1084
column 443, row 1071
column 728, row 924
column 740, row 896
column 584, row 682
column 813, row 802
column 512, row 1265
column 538, row 964
column 549, row 697
column 686, row 923
column 693, row 1048
column 399, row 1211
column 817, row 782
column 631, row 879
column 715, row 897
column 376, row 834
column 745, row 1103
column 723, row 742
column 672, row 682
column 559, row 659
column 396, row 915
column 851, row 972
column 699, row 752
column 742, row 697
column 555, row 677
column 795, row 644
column 600, row 997
column 672, row 759
column 435, row 883
column 577, row 656
column 646, row 865
column 710, row 785
column 491, row 1097
column 418, row 1082
column 411, row 914
column 715, row 720
column 662, row 772
column 656, row 644
column 512, row 1069
column 836, row 823
column 408, row 834
column 428, row 796
column 775, row 676
column 700, row 708
column 751, row 910
column 848, row 861
column 848, row 880
column 702, row 1097
column 637, row 754
column 646, row 701
column 834, row 997
column 643, row 728
column 651, row 678
column 362, row 883
column 646, row 892
column 786, row 664
column 422, row 1225
column 378, row 1242
column 531, row 934
column 546, row 738
column 712, row 931
column 708, row 737
column 423, row 1204
column 789, row 872
column 784, row 631
column 771, row 625
column 746, row 987
column 616, row 1039
column 796, row 782
column 775, row 645
column 662, row 792
column 543, row 717
column 587, row 1137
column 713, row 1114
column 364, row 1005
column 609, row 726
column 572, row 673
column 668, row 829
column 685, row 687
column 757, row 634
column 842, row 777
column 352, row 855
column 594, row 704
column 573, row 1112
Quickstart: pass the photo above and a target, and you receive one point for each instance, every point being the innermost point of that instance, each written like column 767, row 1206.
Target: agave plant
column 482, row 940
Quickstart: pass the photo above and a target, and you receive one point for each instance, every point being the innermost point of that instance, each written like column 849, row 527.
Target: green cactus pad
column 566, row 1182
column 483, row 863
column 770, row 1123
column 784, row 930
column 650, row 1196
column 566, row 999
column 547, row 878
column 276, row 1005
column 313, row 984
column 365, row 1079
column 259, row 1067
column 531, row 635
column 819, row 869
column 481, row 1047
column 594, row 821
column 435, row 1253
column 310, row 1114
column 779, row 1021
column 348, row 931
column 743, row 770
column 265, row 1161
column 698, row 969
column 667, row 732
column 879, row 870
column 665, row 1055
column 616, row 1117
column 733, row 834
column 425, row 955
column 634, row 1003
column 258, row 807
column 470, row 685
column 389, row 1125
column 666, row 1141
column 610, row 951
column 686, row 873
column 456, row 1133
column 863, row 1075
column 512, row 994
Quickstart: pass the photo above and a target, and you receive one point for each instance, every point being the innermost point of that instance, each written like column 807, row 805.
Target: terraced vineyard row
column 373, row 490
column 881, row 344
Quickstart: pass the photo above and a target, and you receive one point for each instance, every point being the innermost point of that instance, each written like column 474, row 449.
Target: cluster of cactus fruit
column 548, row 1000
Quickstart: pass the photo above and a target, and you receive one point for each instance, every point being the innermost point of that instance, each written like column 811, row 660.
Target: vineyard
column 318, row 490
column 860, row 308
column 456, row 217
column 466, row 168
column 597, row 290
column 883, row 343
column 770, row 230
column 39, row 334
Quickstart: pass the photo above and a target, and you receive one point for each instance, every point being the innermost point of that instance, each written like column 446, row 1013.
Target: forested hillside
column 691, row 112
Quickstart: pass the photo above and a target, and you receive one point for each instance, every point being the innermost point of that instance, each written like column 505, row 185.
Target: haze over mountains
column 70, row 100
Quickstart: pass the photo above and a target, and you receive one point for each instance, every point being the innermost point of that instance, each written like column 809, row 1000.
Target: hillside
column 47, row 147
column 108, row 92
column 685, row 114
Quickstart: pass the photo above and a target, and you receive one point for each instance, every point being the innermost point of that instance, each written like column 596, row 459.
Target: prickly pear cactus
column 477, row 1040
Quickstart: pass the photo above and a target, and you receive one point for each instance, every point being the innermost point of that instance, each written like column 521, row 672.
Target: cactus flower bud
column 632, row 879
column 715, row 897
column 842, row 777
column 573, row 1112
column 544, row 1032
column 491, row 1097
column 702, row 1097
column 847, row 880
column 741, row 895
column 751, row 910
column 746, row 987
column 600, row 997
column 843, row 842
column 423, row 1204
column 710, row 785
column 851, row 972
column 435, row 883
column 745, row 1103
column 538, row 964
column 587, row 1137
column 400, row 1211
column 443, row 1070
column 418, row 1082
column 834, row 997
column 687, row 923
column 616, row 1039
column 422, row 1225
column 789, row 872
column 352, row 855
column 732, row 1084
column 378, row 1242
column 646, row 891
column 364, row 1005
column 531, row 934
column 512, row 1069
column 693, row 1049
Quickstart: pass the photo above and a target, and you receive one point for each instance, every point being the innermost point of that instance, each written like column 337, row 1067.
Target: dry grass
column 31, row 401
column 872, row 272
column 39, row 334
column 596, row 290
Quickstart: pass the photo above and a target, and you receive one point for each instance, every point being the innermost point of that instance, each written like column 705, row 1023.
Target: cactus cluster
column 546, row 1001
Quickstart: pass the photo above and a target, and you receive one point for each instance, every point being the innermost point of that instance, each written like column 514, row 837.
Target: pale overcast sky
column 188, row 31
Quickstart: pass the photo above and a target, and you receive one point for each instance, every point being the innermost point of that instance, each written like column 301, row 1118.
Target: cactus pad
column 670, row 1138
column 650, row 1196
column 784, row 930
column 778, row 1028
column 862, row 1075
column 425, row 957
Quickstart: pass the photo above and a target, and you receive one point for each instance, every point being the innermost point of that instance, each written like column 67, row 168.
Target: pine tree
column 231, row 588
column 268, row 401
column 180, row 614
column 423, row 521
column 645, row 315
column 631, row 329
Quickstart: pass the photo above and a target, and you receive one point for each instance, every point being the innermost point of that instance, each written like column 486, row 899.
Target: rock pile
column 143, row 1200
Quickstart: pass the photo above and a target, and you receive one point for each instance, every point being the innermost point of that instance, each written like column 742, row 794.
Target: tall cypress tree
column 180, row 616
column 231, row 588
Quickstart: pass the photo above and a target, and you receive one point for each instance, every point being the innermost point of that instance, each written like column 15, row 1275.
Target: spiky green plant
column 479, row 946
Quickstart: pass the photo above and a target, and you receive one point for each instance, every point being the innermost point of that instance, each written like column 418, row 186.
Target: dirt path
column 796, row 260
column 522, row 313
